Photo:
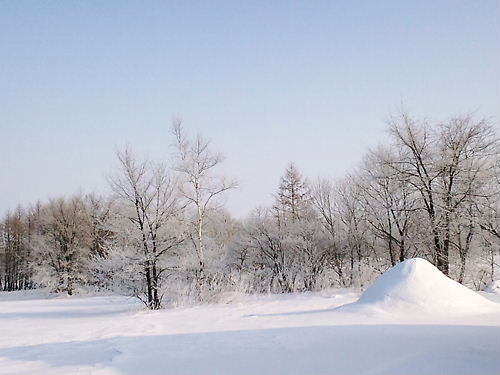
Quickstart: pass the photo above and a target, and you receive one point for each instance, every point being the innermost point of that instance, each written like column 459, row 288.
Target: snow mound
column 416, row 285
column 493, row 287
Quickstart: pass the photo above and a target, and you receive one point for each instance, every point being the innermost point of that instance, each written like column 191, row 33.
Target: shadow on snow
column 402, row 349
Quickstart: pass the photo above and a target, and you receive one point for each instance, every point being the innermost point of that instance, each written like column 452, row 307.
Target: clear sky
column 268, row 81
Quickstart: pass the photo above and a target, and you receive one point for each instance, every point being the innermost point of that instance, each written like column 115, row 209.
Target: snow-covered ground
column 292, row 334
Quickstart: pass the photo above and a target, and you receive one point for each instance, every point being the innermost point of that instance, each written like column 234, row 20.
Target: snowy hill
column 416, row 285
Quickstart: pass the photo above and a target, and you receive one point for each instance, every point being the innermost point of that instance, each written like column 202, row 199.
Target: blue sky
column 268, row 81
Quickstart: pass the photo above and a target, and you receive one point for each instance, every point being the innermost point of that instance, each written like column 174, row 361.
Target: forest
column 163, row 235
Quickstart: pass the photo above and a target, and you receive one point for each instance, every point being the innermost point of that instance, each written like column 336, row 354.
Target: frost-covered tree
column 62, row 245
column 324, row 197
column 354, row 229
column 293, row 199
column 286, row 243
column 447, row 165
column 16, row 232
column 389, row 203
column 200, row 187
column 274, row 261
column 432, row 190
column 99, row 210
column 299, row 222
column 147, row 219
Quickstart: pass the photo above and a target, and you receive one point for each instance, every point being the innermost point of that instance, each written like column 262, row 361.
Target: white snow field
column 493, row 287
column 413, row 320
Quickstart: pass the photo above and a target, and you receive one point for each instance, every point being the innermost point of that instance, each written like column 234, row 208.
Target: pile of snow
column 416, row 285
column 493, row 287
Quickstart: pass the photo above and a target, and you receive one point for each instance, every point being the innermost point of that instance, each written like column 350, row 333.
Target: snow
column 417, row 285
column 270, row 334
column 493, row 287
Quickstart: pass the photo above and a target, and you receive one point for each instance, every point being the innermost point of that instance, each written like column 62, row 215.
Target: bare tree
column 388, row 201
column 151, row 204
column 418, row 166
column 352, row 217
column 293, row 198
column 99, row 212
column 199, row 186
column 272, row 254
column 323, row 197
column 15, row 251
column 63, row 244
column 296, row 220
column 446, row 166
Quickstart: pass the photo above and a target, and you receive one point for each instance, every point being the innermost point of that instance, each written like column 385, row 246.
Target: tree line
column 431, row 190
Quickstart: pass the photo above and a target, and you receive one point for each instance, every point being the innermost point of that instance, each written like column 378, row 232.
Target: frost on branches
column 163, row 235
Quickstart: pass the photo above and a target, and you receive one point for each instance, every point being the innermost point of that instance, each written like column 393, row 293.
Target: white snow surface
column 285, row 334
column 417, row 285
column 493, row 287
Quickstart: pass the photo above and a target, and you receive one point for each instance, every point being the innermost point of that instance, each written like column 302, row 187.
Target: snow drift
column 416, row 285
